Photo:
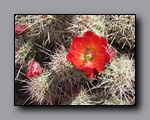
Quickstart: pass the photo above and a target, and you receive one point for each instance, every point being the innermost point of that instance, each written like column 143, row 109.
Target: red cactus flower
column 89, row 53
column 112, row 53
column 72, row 89
column 20, row 29
column 91, row 74
column 34, row 69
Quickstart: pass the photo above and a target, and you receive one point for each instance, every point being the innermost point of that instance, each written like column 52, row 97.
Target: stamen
column 88, row 56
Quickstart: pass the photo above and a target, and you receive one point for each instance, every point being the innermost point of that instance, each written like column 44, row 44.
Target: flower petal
column 29, row 74
column 104, row 41
column 88, row 71
column 91, row 75
column 89, row 33
column 71, row 49
column 101, row 50
column 112, row 53
column 69, row 57
column 100, row 68
column 80, row 67
column 20, row 29
column 78, row 55
column 95, row 40
column 107, row 58
column 76, row 61
column 87, row 42
column 79, row 46
column 34, row 69
column 99, row 64
column 89, row 64
column 77, row 38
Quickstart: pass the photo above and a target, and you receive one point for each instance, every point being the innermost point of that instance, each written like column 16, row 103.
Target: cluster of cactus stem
column 120, row 30
column 48, row 40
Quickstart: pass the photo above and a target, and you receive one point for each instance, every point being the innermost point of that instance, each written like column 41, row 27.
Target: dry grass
column 48, row 39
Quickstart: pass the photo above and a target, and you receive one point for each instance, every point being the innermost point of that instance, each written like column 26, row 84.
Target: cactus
column 48, row 39
column 39, row 88
column 119, row 81
column 120, row 29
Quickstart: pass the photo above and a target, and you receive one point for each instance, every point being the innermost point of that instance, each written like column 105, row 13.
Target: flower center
column 88, row 56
